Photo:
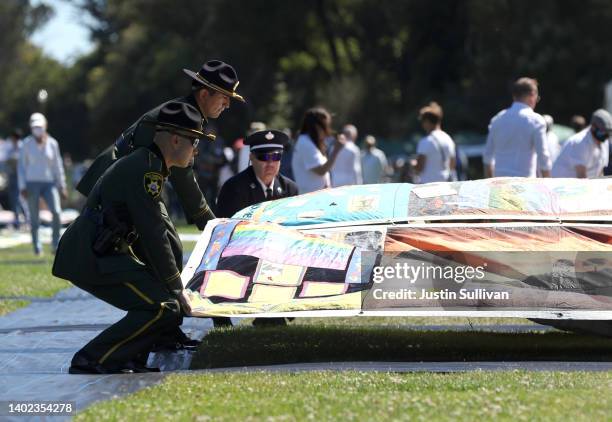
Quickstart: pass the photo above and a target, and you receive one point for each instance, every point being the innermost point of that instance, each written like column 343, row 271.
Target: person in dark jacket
column 260, row 182
column 125, row 251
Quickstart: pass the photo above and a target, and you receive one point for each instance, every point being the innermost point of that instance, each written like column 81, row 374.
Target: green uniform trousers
column 151, row 312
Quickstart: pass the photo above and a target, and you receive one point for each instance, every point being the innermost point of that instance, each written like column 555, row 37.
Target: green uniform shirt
column 183, row 180
column 135, row 181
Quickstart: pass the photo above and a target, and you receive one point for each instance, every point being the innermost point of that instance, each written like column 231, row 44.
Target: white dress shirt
column 347, row 167
column 517, row 135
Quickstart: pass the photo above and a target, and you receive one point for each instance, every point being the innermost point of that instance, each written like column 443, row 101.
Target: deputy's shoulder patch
column 153, row 184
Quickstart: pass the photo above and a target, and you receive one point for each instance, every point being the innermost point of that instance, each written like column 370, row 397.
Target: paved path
column 37, row 344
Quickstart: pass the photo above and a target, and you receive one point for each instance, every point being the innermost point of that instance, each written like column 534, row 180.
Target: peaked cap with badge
column 267, row 141
column 219, row 76
column 244, row 189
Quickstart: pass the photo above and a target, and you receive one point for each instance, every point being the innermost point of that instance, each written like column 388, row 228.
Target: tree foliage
column 371, row 62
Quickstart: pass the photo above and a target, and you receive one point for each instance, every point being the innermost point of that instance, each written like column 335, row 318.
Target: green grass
column 330, row 396
column 242, row 346
column 24, row 274
column 187, row 228
column 188, row 247
column 7, row 306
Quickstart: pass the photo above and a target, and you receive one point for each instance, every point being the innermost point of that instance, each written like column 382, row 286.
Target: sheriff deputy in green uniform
column 124, row 250
column 212, row 87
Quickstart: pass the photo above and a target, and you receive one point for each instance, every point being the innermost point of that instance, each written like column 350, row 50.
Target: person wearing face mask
column 585, row 154
column 40, row 174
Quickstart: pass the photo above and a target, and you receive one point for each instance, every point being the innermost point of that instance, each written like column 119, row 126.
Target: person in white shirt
column 585, row 154
column 517, row 136
column 309, row 163
column 552, row 140
column 41, row 175
column 373, row 162
column 347, row 168
column 436, row 151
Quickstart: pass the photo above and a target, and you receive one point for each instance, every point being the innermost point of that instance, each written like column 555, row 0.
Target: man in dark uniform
column 124, row 250
column 260, row 182
column 211, row 90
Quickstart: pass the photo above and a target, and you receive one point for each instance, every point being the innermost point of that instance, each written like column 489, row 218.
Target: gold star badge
column 153, row 183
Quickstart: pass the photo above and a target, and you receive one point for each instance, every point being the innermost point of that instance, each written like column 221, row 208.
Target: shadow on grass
column 245, row 346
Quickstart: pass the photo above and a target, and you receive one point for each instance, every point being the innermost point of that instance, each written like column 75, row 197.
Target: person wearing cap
column 585, row 154
column 260, row 182
column 123, row 250
column 212, row 88
column 40, row 174
column 516, row 143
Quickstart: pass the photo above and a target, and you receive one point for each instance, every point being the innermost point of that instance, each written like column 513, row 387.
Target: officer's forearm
column 191, row 197
column 203, row 217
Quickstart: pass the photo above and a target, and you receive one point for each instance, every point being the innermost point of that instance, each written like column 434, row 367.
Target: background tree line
column 373, row 62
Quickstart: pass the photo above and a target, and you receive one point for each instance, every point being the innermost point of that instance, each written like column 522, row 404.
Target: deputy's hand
column 64, row 193
column 182, row 298
column 24, row 193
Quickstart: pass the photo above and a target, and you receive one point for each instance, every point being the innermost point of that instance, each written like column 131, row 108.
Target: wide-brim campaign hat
column 180, row 118
column 267, row 141
column 219, row 76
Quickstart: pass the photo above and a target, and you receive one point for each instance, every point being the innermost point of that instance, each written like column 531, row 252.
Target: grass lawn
column 187, row 228
column 328, row 396
column 24, row 274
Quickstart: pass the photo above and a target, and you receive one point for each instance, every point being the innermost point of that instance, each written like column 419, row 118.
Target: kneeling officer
column 123, row 250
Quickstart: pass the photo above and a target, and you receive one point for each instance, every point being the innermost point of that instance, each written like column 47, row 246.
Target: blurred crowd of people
column 520, row 142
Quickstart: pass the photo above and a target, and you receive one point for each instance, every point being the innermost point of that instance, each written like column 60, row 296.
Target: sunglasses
column 269, row 156
column 194, row 141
